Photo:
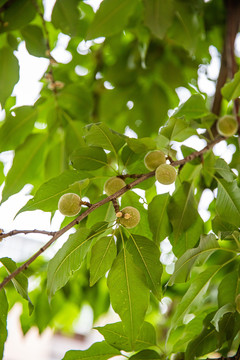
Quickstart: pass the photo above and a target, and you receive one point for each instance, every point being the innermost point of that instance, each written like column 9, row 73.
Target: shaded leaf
column 88, row 158
column 208, row 245
column 35, row 41
column 158, row 16
column 203, row 344
column 229, row 288
column 177, row 129
column 128, row 293
column 65, row 16
column 98, row 351
column 231, row 90
column 111, row 18
column 227, row 308
column 19, row 14
column 146, row 354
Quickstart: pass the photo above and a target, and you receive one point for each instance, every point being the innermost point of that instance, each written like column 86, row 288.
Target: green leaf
column 116, row 337
column 68, row 259
column 193, row 108
column 101, row 135
column 9, row 73
column 158, row 218
column 49, row 193
column 111, row 18
column 2, row 176
column 177, row 130
column 36, row 44
column 78, row 107
column 224, row 170
column 208, row 245
column 227, row 308
column 228, row 201
column 158, row 16
column 231, row 90
column 197, row 287
column 102, row 255
column 189, row 238
column 65, row 16
column 146, row 354
column 20, row 281
column 142, row 145
column 88, row 158
column 27, row 164
column 16, row 128
column 203, row 344
column 222, row 228
column 3, row 320
column 98, row 351
column 146, row 255
column 182, row 210
column 228, row 289
column 19, row 14
column 128, row 293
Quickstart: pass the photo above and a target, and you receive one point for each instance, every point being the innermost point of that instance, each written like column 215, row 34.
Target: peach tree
column 102, row 142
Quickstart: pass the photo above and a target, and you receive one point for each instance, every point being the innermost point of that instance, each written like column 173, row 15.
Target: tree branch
column 113, row 197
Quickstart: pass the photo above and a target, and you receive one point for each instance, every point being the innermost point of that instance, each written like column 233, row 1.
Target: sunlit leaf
column 193, row 108
column 146, row 255
column 88, row 158
column 116, row 337
column 3, row 320
column 158, row 218
column 98, row 351
column 128, row 293
column 9, row 73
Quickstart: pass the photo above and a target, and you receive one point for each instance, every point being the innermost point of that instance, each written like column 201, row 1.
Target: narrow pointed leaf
column 182, row 210
column 204, row 343
column 184, row 264
column 27, row 165
column 116, row 337
column 98, row 351
column 102, row 255
column 9, row 73
column 228, row 201
column 146, row 255
column 3, row 320
column 197, row 287
column 158, row 218
column 68, row 259
column 20, row 281
column 49, row 193
column 128, row 293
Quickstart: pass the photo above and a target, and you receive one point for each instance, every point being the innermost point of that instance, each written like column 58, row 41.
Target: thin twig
column 119, row 193
column 35, row 231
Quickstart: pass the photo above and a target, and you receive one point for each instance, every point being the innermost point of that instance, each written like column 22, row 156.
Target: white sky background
column 27, row 91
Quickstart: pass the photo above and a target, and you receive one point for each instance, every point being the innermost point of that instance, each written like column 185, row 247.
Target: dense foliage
column 127, row 60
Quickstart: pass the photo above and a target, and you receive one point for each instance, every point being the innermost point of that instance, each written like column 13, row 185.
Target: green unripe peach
column 69, row 204
column 113, row 184
column 130, row 217
column 227, row 125
column 153, row 159
column 166, row 174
